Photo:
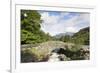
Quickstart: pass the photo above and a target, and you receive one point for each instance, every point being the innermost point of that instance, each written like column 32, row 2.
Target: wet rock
column 62, row 57
column 54, row 57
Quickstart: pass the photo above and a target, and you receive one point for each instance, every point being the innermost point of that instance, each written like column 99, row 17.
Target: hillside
column 82, row 36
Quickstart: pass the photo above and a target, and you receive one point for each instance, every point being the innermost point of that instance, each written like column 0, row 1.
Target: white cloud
column 71, row 29
column 48, row 19
column 55, row 24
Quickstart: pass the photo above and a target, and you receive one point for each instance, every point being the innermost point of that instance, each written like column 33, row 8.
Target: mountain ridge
column 64, row 34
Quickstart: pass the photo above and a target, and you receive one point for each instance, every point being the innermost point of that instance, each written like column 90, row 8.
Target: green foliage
column 75, row 52
column 74, row 48
column 30, row 28
column 65, row 38
column 82, row 37
column 30, row 20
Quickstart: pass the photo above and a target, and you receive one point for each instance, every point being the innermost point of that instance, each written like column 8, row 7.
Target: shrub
column 74, row 52
column 28, row 56
column 42, row 55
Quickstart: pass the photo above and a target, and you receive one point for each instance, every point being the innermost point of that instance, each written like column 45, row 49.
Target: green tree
column 30, row 28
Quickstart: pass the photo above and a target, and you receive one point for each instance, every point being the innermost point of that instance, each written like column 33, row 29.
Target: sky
column 61, row 22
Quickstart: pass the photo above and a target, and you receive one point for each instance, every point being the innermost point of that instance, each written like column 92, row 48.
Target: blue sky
column 60, row 22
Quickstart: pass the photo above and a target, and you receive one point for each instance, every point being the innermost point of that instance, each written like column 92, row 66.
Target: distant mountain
column 69, row 33
column 64, row 34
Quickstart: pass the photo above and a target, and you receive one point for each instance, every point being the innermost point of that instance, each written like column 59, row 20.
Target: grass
column 73, row 48
column 41, row 55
